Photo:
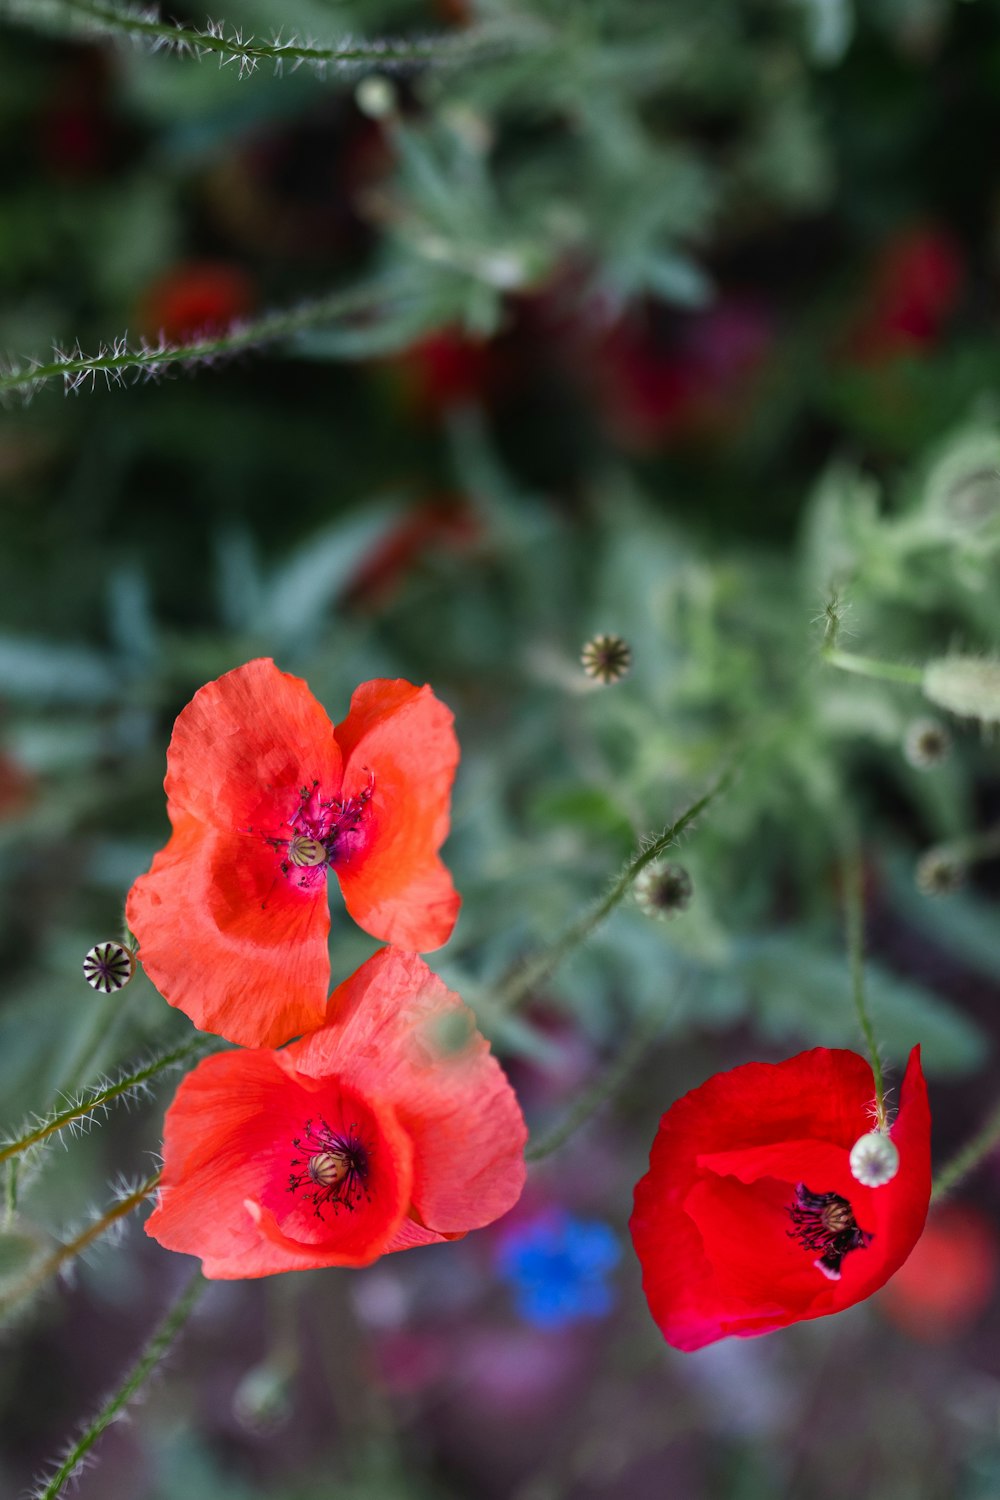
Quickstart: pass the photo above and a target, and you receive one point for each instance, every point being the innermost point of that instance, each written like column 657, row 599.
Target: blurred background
column 677, row 323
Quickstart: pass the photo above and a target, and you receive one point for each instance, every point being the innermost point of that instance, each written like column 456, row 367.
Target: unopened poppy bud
column 109, row 966
column 874, row 1159
column 939, row 872
column 663, row 889
column 965, row 685
column 606, row 658
column 927, row 744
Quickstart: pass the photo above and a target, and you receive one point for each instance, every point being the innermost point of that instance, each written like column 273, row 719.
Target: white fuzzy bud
column 874, row 1159
column 965, row 685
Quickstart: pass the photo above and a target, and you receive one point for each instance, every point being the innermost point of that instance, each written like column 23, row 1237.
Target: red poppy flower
column 266, row 797
column 391, row 1126
column 749, row 1218
column 915, row 286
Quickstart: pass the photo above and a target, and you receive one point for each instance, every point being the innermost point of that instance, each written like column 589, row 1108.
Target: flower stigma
column 825, row 1222
column 333, row 1168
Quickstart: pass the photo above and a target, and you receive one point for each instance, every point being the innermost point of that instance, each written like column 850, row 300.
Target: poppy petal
column 396, row 1029
column 398, row 741
column 234, row 1191
column 246, row 744
column 244, row 952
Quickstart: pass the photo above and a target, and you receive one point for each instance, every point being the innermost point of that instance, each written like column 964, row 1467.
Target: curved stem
column 151, row 1356
column 99, row 1099
column 532, row 973
column 854, row 922
column 969, row 1157
column 639, row 1038
column 871, row 666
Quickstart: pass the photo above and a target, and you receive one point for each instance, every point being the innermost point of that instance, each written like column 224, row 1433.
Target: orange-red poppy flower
column 266, row 797
column 750, row 1217
column 391, row 1126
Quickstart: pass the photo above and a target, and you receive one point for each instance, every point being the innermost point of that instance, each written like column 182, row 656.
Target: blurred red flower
column 444, row 524
column 18, row 787
column 915, row 285
column 266, row 797
column 749, row 1218
column 389, row 1127
column 441, row 371
column 950, row 1277
column 195, row 300
column 682, row 377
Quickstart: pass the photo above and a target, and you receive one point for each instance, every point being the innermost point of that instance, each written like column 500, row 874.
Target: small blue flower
column 557, row 1267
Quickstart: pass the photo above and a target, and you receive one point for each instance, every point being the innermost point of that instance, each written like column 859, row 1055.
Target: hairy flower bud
column 927, row 744
column 874, row 1159
column 965, row 685
column 606, row 658
column 939, row 872
column 663, row 889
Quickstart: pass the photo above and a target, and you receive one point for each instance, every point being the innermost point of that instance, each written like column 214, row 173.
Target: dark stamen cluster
column 322, row 832
column 333, row 1168
column 825, row 1222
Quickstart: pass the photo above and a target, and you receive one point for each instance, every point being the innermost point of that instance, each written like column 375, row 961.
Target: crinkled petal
column 245, row 745
column 394, row 1027
column 398, row 739
column 228, row 940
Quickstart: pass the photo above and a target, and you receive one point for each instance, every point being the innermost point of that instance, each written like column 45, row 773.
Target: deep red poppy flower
column 391, row 1126
column 749, row 1218
column 915, row 285
column 266, row 797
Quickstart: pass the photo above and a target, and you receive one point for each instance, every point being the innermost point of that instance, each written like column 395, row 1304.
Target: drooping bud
column 663, row 889
column 965, row 685
column 109, row 966
column 606, row 658
column 874, row 1159
column 927, row 744
column 940, row 871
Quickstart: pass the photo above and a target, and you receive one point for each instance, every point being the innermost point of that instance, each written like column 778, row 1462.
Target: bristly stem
column 969, row 1157
column 144, row 24
column 38, row 1275
column 854, row 923
column 536, row 970
column 99, row 1098
column 122, row 362
column 641, row 1035
column 871, row 666
column 151, row 1356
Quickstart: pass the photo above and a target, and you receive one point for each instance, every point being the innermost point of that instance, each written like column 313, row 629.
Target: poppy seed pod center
column 325, row 831
column 825, row 1222
column 333, row 1167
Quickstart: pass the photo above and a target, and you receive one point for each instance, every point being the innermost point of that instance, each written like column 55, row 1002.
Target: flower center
column 825, row 1222
column 333, row 1168
column 322, row 831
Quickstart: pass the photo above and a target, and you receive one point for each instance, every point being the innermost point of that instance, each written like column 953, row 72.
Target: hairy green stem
column 10, row 1194
column 536, row 970
column 969, row 1157
column 151, row 1356
column 52, row 1263
column 854, row 922
column 99, row 1098
column 120, row 362
column 871, row 666
column 631, row 1054
column 141, row 23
